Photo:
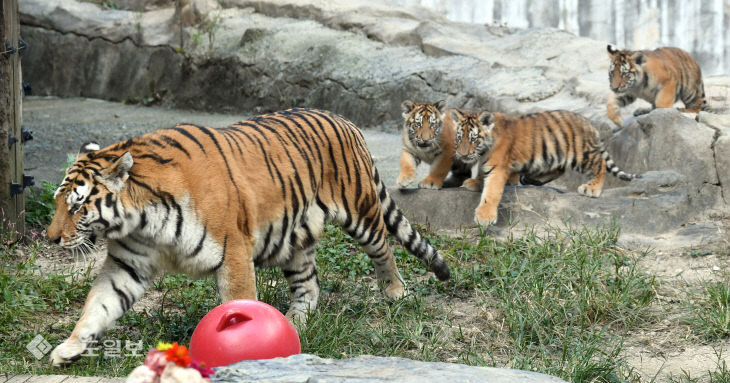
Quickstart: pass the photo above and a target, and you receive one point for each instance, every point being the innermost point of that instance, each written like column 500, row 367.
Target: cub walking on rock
column 428, row 136
column 662, row 77
column 537, row 148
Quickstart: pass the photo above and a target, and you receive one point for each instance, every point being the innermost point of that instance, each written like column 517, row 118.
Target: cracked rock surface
column 303, row 368
column 362, row 59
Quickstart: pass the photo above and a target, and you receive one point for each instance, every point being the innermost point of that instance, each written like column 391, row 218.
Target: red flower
column 178, row 354
column 206, row 372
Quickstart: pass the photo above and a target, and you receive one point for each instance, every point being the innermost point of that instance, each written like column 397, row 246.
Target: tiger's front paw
column 473, row 184
column 485, row 216
column 641, row 111
column 430, row 183
column 589, row 191
column 395, row 290
column 404, row 181
column 67, row 352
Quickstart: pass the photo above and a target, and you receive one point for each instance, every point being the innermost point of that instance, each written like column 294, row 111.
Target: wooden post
column 11, row 151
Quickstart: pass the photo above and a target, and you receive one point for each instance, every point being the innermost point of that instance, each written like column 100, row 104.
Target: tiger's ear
column 611, row 50
column 115, row 175
column 639, row 58
column 87, row 147
column 406, row 107
column 440, row 105
column 487, row 120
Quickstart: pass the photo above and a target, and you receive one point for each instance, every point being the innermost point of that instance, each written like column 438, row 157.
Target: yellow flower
column 162, row 346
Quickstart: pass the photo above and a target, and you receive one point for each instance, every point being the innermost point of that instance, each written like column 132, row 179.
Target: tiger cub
column 472, row 144
column 428, row 136
column 220, row 202
column 662, row 77
column 535, row 148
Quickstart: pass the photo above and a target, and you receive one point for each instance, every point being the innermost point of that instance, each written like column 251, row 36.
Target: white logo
column 39, row 347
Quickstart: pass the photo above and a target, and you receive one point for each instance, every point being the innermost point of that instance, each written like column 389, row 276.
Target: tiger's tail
column 399, row 227
column 615, row 170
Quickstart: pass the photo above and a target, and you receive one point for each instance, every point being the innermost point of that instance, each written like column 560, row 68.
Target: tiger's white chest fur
column 167, row 236
column 427, row 155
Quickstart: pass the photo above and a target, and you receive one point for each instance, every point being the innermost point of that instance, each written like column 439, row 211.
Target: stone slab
column 305, row 368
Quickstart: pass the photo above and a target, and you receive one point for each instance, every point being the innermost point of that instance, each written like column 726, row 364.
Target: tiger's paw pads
column 394, row 290
column 641, row 111
column 473, row 184
column 403, row 182
column 589, row 191
column 66, row 353
column 485, row 217
column 430, row 183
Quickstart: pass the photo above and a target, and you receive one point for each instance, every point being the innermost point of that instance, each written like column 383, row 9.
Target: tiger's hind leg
column 594, row 163
column 301, row 273
column 541, row 179
column 460, row 172
column 373, row 239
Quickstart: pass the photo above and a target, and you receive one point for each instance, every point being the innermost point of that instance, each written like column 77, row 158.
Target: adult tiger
column 662, row 77
column 221, row 201
column 428, row 136
column 534, row 149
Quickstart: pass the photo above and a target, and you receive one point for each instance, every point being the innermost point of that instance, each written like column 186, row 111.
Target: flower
column 178, row 354
column 206, row 372
column 162, row 346
column 156, row 360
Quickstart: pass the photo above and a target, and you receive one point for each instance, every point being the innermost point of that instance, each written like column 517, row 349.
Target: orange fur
column 222, row 201
column 428, row 136
column 662, row 77
column 538, row 148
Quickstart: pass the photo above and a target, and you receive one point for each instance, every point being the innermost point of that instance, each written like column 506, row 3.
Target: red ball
column 243, row 329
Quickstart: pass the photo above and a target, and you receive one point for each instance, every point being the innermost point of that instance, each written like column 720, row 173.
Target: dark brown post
column 11, row 146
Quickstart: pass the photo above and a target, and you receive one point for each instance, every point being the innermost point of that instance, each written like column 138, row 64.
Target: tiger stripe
column 662, row 77
column 428, row 136
column 530, row 149
column 203, row 201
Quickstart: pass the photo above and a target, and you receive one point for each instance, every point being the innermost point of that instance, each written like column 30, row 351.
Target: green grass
column 559, row 303
column 710, row 312
column 40, row 205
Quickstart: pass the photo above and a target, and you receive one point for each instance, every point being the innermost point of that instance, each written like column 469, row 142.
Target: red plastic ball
column 243, row 329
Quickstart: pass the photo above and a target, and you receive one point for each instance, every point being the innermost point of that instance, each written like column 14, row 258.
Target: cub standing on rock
column 472, row 144
column 428, row 136
column 220, row 201
column 662, row 77
column 536, row 147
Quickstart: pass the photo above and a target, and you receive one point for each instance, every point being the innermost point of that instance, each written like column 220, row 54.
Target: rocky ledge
column 305, row 368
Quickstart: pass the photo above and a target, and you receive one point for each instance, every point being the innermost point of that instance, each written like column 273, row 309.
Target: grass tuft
column 710, row 312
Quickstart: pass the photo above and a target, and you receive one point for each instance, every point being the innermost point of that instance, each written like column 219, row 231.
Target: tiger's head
column 423, row 123
column 473, row 137
column 87, row 201
column 626, row 69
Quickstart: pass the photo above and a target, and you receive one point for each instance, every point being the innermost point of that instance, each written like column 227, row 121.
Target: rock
column 290, row 60
column 659, row 204
column 309, row 368
column 362, row 59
